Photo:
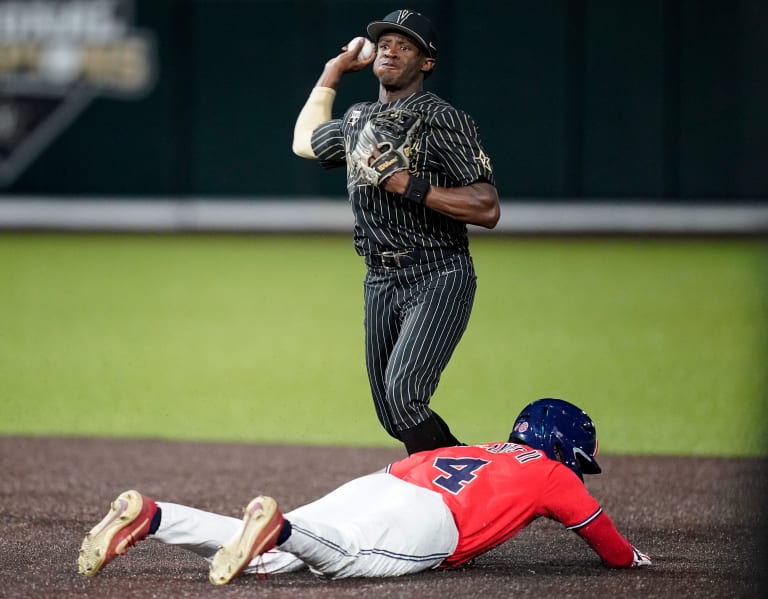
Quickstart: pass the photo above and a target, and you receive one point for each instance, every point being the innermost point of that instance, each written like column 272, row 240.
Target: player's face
column 399, row 61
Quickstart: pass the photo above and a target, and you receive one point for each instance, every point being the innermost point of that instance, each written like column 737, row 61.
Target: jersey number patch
column 457, row 472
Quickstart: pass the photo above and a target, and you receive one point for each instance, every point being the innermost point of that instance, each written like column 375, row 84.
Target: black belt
column 401, row 258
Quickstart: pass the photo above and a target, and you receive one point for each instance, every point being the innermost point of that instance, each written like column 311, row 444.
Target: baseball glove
column 390, row 132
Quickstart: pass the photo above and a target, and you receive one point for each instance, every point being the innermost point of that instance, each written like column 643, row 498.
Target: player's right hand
column 349, row 60
column 640, row 559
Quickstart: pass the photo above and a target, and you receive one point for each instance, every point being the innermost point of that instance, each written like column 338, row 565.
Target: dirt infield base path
column 699, row 519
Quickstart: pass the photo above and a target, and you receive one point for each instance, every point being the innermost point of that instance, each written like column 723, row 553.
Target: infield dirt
column 702, row 520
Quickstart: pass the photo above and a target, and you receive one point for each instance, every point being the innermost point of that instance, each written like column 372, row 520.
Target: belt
column 401, row 258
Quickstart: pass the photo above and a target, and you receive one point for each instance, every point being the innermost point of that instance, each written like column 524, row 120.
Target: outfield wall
column 317, row 214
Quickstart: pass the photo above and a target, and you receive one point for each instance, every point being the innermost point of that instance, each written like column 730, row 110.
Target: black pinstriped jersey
column 445, row 150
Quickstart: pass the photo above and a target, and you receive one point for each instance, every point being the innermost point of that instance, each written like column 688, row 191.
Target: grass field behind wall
column 259, row 339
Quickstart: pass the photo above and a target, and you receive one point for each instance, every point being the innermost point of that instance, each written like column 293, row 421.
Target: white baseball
column 367, row 50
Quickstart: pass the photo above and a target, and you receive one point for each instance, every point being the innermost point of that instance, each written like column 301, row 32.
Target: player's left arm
column 605, row 540
column 572, row 505
column 473, row 197
column 476, row 204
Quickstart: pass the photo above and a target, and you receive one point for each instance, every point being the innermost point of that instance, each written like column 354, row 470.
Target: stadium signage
column 56, row 57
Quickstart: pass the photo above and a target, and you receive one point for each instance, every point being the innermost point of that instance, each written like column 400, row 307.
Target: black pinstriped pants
column 414, row 319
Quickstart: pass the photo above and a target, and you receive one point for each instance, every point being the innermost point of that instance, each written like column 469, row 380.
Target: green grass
column 662, row 342
column 260, row 339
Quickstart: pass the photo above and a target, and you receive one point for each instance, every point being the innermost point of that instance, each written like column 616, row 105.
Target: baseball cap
column 412, row 24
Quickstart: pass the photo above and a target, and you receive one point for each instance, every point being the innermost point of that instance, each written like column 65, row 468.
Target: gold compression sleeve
column 317, row 110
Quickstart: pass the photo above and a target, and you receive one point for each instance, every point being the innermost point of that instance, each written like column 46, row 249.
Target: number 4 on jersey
column 457, row 472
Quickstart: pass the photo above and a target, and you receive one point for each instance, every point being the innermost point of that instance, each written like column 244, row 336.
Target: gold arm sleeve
column 317, row 110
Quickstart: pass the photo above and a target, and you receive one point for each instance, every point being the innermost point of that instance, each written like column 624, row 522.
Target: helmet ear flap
column 587, row 463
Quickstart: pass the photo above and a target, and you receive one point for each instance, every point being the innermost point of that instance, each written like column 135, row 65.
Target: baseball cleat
column 126, row 523
column 262, row 522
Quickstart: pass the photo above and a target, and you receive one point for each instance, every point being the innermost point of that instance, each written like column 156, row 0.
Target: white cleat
column 127, row 522
column 262, row 523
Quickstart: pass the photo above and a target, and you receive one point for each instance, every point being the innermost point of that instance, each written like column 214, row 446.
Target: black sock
column 155, row 524
column 446, row 430
column 285, row 532
column 430, row 434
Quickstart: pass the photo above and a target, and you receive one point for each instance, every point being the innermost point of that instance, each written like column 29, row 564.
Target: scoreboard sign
column 56, row 57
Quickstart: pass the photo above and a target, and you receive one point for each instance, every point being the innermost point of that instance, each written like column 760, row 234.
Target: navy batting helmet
column 562, row 431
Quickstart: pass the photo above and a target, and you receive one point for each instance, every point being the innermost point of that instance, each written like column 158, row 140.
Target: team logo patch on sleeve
column 354, row 116
column 484, row 160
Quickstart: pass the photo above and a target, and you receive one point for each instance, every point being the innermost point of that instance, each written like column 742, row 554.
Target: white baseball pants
column 376, row 525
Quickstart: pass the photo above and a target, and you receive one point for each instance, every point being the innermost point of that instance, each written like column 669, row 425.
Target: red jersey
column 495, row 490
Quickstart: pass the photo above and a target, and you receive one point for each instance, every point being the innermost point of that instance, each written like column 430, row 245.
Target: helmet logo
column 521, row 427
column 403, row 16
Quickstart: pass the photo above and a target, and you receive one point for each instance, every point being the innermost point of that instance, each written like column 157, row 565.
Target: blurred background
column 640, row 117
column 577, row 100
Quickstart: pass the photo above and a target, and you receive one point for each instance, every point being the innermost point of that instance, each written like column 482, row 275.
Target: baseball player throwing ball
column 433, row 509
column 417, row 173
